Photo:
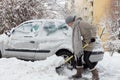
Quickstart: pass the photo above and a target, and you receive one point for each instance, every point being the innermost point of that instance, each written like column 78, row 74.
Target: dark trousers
column 86, row 57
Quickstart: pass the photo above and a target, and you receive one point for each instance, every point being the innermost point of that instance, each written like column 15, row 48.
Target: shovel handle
column 85, row 45
column 68, row 59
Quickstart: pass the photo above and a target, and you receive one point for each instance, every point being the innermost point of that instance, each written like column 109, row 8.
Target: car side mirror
column 9, row 32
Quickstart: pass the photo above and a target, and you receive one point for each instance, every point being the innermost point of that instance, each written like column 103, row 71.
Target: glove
column 92, row 40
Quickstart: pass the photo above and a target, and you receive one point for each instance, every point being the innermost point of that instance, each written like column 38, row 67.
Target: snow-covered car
column 37, row 39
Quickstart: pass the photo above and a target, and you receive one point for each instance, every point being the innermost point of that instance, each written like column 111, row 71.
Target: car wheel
column 66, row 54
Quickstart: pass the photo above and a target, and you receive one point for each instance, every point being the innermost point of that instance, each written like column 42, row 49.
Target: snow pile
column 109, row 67
column 14, row 69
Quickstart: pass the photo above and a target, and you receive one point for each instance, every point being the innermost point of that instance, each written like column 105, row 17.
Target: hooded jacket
column 87, row 31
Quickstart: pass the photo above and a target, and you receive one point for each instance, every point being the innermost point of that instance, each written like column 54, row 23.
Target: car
column 37, row 40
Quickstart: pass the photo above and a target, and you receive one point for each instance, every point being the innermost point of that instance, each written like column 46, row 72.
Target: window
column 91, row 3
column 85, row 8
column 117, row 3
column 116, row 12
column 50, row 27
column 54, row 27
column 91, row 13
column 27, row 29
column 119, row 23
column 61, row 26
column 34, row 28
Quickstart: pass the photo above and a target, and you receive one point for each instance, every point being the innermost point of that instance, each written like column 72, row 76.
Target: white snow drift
column 14, row 69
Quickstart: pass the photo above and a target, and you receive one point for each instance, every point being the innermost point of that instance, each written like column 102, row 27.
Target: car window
column 34, row 28
column 25, row 27
column 49, row 27
column 61, row 25
column 29, row 28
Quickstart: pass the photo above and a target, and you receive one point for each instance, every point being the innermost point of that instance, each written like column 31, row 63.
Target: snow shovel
column 60, row 68
column 67, row 60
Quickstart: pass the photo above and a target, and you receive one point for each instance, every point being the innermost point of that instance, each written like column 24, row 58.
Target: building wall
column 84, row 9
column 101, row 12
column 101, row 9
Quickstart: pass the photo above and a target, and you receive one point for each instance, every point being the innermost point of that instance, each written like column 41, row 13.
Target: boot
column 79, row 73
column 95, row 74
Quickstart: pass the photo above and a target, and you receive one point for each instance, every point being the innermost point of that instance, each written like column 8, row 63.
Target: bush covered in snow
column 113, row 29
column 14, row 12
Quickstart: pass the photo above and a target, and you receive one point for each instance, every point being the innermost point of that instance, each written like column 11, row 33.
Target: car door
column 22, row 43
column 50, row 40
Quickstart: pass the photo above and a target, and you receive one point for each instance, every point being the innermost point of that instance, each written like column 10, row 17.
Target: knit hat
column 70, row 19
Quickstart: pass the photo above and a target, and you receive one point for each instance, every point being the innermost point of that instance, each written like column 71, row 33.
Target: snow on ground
column 15, row 69
column 109, row 67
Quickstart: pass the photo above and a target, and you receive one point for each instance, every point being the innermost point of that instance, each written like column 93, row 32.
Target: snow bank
column 14, row 69
column 109, row 67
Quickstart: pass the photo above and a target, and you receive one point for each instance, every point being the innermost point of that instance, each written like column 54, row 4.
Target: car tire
column 66, row 54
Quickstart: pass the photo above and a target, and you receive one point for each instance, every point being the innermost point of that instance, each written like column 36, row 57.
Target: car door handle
column 27, row 36
column 32, row 41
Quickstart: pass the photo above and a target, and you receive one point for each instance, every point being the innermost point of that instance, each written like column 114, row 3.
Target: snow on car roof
column 37, row 20
column 45, row 20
